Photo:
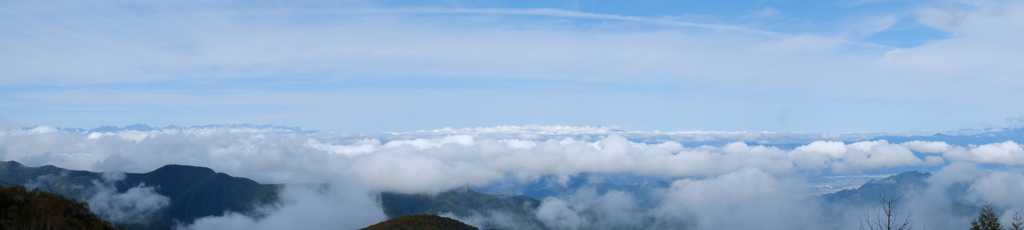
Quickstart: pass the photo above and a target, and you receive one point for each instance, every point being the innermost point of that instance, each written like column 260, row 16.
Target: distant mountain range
column 964, row 137
column 784, row 140
column 144, row 128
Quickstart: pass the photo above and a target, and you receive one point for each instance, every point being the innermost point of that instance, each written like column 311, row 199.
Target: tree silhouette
column 987, row 220
column 1018, row 222
column 885, row 218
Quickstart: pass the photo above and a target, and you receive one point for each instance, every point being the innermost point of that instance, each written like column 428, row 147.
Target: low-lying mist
column 742, row 184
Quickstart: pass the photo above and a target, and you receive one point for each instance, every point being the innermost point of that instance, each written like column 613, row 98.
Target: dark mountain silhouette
column 197, row 192
column 47, row 178
column 194, row 192
column 421, row 222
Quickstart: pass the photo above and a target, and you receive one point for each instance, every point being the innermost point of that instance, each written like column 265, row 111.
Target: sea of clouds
column 737, row 185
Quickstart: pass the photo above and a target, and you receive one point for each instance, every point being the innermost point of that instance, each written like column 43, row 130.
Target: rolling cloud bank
column 805, row 66
column 747, row 182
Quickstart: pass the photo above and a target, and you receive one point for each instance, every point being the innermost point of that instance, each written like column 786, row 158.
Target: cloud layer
column 435, row 164
column 305, row 207
column 133, row 206
column 707, row 183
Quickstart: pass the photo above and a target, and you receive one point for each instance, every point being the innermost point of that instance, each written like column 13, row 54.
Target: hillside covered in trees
column 24, row 209
column 421, row 222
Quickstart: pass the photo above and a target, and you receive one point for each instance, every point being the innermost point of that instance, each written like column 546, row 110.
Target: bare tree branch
column 886, row 218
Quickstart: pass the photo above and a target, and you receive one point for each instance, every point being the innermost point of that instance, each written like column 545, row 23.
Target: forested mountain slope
column 33, row 209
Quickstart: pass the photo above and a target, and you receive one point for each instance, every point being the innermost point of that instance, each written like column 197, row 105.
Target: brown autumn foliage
column 421, row 222
column 23, row 209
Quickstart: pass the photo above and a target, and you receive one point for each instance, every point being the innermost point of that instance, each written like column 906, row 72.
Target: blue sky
column 806, row 66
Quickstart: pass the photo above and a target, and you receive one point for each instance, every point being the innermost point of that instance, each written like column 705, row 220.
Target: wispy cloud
column 97, row 53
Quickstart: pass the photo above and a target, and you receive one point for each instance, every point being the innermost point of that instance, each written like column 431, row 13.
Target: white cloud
column 42, row 129
column 875, row 154
column 360, row 147
column 749, row 181
column 745, row 199
column 357, row 40
column 962, row 183
column 739, row 185
column 432, row 164
column 1008, row 152
column 1002, row 188
column 832, row 149
column 751, row 199
column 133, row 206
column 337, row 206
column 933, row 160
column 855, row 156
column 586, row 209
column 186, row 42
column 164, row 44
column 956, row 172
column 556, row 214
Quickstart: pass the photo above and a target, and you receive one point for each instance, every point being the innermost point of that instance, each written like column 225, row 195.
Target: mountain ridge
column 196, row 192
